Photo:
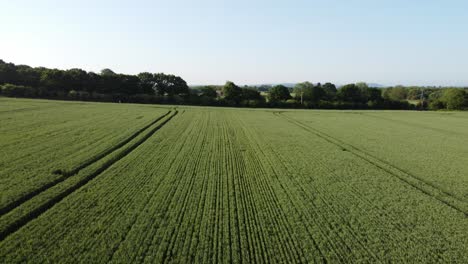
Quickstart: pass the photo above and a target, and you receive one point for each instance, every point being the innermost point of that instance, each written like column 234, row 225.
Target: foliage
column 232, row 92
column 454, row 99
column 208, row 91
column 58, row 83
column 279, row 93
column 398, row 93
column 306, row 91
column 350, row 93
column 330, row 90
column 146, row 87
column 17, row 90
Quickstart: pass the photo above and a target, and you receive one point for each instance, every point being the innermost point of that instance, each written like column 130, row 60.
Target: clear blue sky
column 248, row 42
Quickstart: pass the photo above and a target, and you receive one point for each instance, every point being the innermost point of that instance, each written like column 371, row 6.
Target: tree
column 454, row 99
column 17, row 90
column 179, row 87
column 93, row 82
column 314, row 93
column 208, row 91
column 146, row 82
column 127, row 84
column 169, row 84
column 299, row 90
column 350, row 93
column 330, row 90
column 7, row 73
column 413, row 93
column 76, row 79
column 264, row 88
column 364, row 91
column 374, row 94
column 435, row 99
column 397, row 93
column 279, row 93
column 108, row 82
column 107, row 72
column 232, row 92
column 53, row 80
column 248, row 93
column 362, row 85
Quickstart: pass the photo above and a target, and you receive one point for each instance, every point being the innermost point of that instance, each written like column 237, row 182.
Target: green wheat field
column 102, row 182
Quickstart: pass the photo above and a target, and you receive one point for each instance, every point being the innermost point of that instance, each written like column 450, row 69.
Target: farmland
column 100, row 182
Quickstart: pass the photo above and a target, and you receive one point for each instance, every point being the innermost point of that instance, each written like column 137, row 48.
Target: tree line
column 145, row 87
column 40, row 82
column 349, row 96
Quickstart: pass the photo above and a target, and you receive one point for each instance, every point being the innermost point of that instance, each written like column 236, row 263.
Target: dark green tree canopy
column 168, row 84
column 330, row 89
column 454, row 99
column 350, row 93
column 55, row 81
column 232, row 92
column 208, row 91
column 279, row 93
column 107, row 72
column 146, row 82
column 249, row 93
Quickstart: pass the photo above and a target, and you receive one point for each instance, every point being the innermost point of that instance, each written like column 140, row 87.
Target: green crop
column 137, row 183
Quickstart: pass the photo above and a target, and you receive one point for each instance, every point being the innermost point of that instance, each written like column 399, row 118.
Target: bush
column 454, row 99
column 253, row 103
column 435, row 105
column 325, row 104
column 12, row 90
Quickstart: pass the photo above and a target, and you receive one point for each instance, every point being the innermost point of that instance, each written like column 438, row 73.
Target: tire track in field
column 131, row 227
column 423, row 186
column 66, row 174
column 391, row 220
column 336, row 216
column 335, row 210
column 114, row 148
column 59, row 197
column 337, row 243
column 167, row 200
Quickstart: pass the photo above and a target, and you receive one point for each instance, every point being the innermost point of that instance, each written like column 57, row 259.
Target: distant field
column 98, row 182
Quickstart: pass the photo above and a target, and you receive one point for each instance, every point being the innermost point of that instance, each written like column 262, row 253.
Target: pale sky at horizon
column 249, row 42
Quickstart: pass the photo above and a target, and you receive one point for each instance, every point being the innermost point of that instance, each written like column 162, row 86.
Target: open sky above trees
column 247, row 42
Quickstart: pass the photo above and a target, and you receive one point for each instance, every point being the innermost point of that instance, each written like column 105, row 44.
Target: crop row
column 426, row 145
column 384, row 214
column 246, row 187
column 37, row 143
column 418, row 183
column 42, row 201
